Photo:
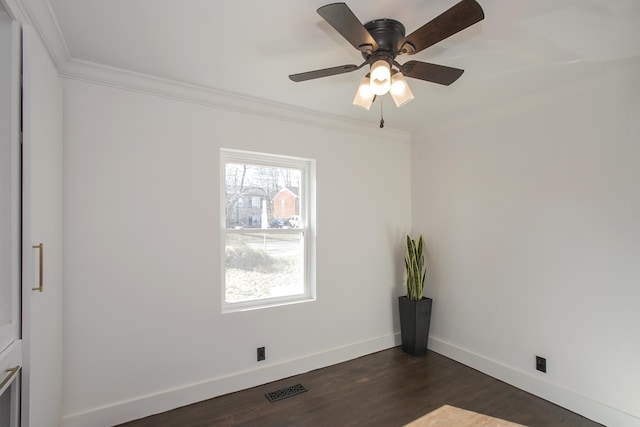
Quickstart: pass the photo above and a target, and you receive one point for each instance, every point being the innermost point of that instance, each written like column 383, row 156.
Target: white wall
column 143, row 328
column 531, row 215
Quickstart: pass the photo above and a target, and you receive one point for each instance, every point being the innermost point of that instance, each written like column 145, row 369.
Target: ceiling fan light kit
column 380, row 41
column 364, row 95
column 380, row 77
column 400, row 91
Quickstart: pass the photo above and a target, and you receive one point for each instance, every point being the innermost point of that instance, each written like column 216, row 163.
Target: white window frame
column 306, row 230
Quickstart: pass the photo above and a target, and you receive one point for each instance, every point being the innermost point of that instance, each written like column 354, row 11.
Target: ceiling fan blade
column 326, row 72
column 431, row 72
column 340, row 17
column 462, row 15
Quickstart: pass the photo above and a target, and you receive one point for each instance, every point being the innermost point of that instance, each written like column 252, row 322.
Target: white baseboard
column 569, row 399
column 143, row 406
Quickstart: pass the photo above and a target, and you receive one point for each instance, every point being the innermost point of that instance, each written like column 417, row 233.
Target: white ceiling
column 250, row 47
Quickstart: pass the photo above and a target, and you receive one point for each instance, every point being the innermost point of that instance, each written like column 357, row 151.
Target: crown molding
column 39, row 14
column 15, row 9
column 166, row 88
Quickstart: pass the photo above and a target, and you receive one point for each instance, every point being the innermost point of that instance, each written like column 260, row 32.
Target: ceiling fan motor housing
column 387, row 33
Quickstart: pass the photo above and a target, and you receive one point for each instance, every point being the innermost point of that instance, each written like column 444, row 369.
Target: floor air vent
column 283, row 393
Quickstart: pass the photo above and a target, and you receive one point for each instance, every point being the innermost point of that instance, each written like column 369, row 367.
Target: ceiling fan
column 380, row 41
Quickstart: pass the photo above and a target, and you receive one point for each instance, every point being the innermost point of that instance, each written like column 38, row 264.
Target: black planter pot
column 415, row 317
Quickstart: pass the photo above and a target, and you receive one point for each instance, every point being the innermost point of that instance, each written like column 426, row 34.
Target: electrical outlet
column 541, row 364
column 261, row 354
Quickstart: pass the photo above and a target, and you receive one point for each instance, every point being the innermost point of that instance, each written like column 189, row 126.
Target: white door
column 41, row 236
column 10, row 343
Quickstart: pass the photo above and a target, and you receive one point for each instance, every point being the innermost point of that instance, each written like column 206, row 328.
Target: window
column 268, row 257
column 255, row 202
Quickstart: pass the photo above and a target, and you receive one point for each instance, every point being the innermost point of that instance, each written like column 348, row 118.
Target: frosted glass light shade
column 380, row 77
column 400, row 91
column 364, row 94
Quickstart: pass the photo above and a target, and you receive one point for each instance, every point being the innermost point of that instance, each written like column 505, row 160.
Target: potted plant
column 415, row 308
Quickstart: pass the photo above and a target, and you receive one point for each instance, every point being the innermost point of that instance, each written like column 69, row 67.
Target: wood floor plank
column 386, row 389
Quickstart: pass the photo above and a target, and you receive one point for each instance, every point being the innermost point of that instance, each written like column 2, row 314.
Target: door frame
column 11, row 354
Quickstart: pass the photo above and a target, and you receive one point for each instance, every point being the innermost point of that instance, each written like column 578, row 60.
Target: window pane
column 272, row 195
column 263, row 265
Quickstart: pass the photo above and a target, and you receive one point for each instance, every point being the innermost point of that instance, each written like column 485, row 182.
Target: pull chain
column 381, row 118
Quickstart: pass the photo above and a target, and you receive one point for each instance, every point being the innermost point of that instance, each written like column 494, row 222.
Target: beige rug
column 450, row 416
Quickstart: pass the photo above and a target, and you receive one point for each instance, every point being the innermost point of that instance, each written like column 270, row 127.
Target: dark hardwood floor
column 387, row 389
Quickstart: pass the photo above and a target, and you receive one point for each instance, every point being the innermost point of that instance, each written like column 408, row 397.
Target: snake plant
column 416, row 271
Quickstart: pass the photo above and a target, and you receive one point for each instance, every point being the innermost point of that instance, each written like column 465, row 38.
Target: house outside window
column 286, row 203
column 267, row 261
